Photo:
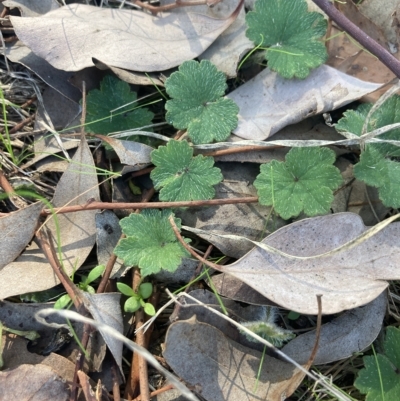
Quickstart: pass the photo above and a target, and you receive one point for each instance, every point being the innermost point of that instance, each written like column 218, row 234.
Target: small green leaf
column 145, row 290
column 197, row 104
column 95, row 273
column 388, row 113
column 291, row 34
column 126, row 290
column 62, row 302
column 149, row 309
column 293, row 315
column 379, row 379
column 131, row 305
column 151, row 243
column 181, row 176
column 305, row 181
column 113, row 94
column 381, row 173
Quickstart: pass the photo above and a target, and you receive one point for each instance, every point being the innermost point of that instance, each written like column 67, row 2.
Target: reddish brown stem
column 153, row 205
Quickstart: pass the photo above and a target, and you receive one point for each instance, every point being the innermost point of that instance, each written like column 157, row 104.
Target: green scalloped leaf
column 113, row 94
column 291, row 34
column 377, row 171
column 197, row 103
column 388, row 113
column 380, row 379
column 150, row 243
column 304, row 182
column 182, row 177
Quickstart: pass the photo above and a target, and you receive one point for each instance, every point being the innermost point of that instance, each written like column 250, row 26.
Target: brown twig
column 153, row 205
column 189, row 249
column 50, row 253
column 5, row 184
column 242, row 149
column 360, row 36
column 20, row 125
column 156, row 392
column 178, row 3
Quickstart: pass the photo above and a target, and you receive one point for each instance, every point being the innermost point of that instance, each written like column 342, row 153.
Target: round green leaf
column 125, row 289
column 145, row 290
column 131, row 305
column 149, row 309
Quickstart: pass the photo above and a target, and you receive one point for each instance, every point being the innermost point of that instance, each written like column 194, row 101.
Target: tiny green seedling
column 136, row 300
column 84, row 285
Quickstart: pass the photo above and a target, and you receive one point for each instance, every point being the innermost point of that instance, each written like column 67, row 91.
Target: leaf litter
column 297, row 270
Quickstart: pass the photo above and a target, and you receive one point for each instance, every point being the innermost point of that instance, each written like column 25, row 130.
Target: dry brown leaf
column 32, row 383
column 347, row 279
column 250, row 220
column 120, row 38
column 17, row 230
column 31, row 271
column 221, row 369
column 268, row 102
column 351, row 332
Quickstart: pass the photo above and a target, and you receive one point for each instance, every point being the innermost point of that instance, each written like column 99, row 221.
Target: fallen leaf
column 32, row 8
column 31, row 271
column 105, row 308
column 57, row 79
column 108, row 233
column 32, row 383
column 346, row 279
column 351, row 332
column 221, row 369
column 135, row 155
column 17, row 230
column 120, row 38
column 248, row 220
column 268, row 102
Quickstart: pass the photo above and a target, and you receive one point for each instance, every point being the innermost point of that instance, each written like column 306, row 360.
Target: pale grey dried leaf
column 17, row 229
column 351, row 332
column 222, row 369
column 236, row 312
column 32, row 8
column 133, row 154
column 183, row 274
column 227, row 50
column 346, row 279
column 40, row 383
column 233, row 288
column 268, row 102
column 56, row 79
column 132, row 77
column 249, row 220
column 105, row 308
column 144, row 42
column 108, row 233
column 31, row 271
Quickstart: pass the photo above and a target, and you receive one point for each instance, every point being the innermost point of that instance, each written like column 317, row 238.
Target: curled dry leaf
column 268, row 102
column 351, row 332
column 120, row 38
column 222, row 369
column 17, row 230
column 294, row 275
column 31, row 271
column 32, row 382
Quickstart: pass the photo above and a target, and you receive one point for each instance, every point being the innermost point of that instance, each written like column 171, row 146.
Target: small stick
column 360, row 36
column 153, row 205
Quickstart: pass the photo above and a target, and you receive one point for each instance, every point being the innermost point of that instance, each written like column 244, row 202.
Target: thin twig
column 360, row 36
column 94, row 205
